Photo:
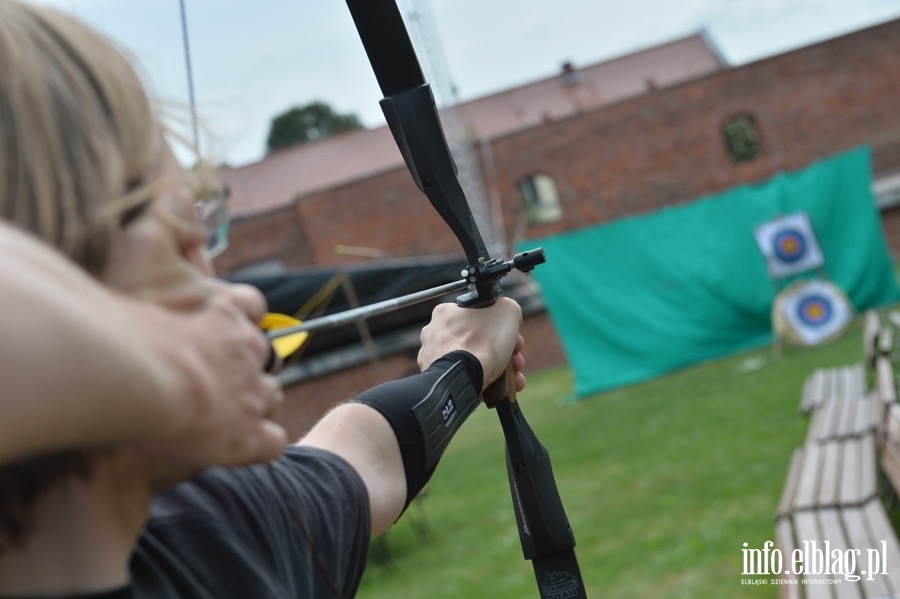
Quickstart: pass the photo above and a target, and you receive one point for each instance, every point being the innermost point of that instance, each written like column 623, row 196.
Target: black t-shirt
column 296, row 528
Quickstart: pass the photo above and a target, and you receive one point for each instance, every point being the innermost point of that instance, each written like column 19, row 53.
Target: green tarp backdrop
column 642, row 296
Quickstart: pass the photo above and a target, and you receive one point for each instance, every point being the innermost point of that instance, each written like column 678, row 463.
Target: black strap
column 425, row 410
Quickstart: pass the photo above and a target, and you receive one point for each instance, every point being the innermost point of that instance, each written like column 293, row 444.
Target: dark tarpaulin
column 371, row 282
column 288, row 292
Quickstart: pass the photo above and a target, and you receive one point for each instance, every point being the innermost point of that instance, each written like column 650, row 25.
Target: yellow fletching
column 284, row 346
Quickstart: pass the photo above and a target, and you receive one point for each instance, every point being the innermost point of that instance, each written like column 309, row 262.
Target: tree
column 301, row 124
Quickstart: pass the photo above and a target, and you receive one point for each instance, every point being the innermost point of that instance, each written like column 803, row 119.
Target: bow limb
column 412, row 116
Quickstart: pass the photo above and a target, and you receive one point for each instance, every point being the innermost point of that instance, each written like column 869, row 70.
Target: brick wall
column 306, row 402
column 890, row 220
column 632, row 157
column 277, row 234
column 666, row 147
column 386, row 213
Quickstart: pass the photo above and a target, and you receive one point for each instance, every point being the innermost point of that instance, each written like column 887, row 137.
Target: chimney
column 569, row 75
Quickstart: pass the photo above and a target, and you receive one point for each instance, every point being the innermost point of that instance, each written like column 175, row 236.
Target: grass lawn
column 663, row 482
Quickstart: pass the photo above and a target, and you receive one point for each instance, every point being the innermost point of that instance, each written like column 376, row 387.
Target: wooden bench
column 825, row 384
column 871, row 328
column 887, row 393
column 830, row 504
column 890, row 448
column 832, row 490
column 884, row 367
column 853, row 415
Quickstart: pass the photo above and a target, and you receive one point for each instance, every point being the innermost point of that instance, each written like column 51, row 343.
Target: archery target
column 811, row 312
column 789, row 246
column 814, row 311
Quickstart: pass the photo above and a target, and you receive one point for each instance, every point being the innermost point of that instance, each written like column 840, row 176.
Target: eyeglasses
column 212, row 212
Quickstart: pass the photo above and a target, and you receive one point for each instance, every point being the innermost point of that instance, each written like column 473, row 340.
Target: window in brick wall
column 886, row 190
column 741, row 138
column 540, row 200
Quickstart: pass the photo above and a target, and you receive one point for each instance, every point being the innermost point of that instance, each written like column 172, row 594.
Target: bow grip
column 502, row 391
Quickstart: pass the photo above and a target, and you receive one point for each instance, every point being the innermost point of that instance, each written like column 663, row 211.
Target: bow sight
column 485, row 275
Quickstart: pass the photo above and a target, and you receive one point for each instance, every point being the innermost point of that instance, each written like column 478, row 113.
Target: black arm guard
column 425, row 410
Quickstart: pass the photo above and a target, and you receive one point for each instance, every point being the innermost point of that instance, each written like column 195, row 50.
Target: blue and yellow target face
column 814, row 310
column 789, row 245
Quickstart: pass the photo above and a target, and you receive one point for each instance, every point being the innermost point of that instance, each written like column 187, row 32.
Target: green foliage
column 302, row 124
column 741, row 138
column 662, row 482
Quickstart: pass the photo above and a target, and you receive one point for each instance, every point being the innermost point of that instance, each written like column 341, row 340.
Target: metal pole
column 190, row 77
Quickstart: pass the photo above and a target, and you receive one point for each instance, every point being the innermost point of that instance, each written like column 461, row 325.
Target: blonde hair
column 80, row 143
column 81, row 151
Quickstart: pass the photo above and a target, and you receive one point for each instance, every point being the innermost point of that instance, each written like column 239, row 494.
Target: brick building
column 628, row 136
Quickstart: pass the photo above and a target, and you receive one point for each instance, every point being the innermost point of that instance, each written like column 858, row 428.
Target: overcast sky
column 253, row 59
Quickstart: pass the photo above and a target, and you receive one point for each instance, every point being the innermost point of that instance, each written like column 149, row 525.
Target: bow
column 411, row 114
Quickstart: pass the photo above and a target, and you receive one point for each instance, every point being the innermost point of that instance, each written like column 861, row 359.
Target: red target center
column 814, row 311
column 789, row 245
